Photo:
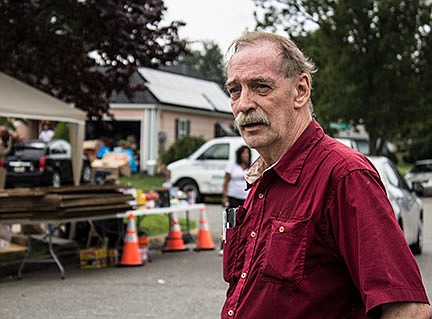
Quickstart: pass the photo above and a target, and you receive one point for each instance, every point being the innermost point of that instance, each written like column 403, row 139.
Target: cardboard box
column 93, row 258
column 117, row 164
column 112, row 258
column 91, row 148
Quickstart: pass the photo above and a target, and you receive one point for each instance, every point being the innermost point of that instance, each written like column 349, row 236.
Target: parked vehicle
column 348, row 142
column 203, row 172
column 37, row 163
column 419, row 177
column 406, row 205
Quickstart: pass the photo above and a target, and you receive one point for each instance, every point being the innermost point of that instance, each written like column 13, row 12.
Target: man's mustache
column 257, row 116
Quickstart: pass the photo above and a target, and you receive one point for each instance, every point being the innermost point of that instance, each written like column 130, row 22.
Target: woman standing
column 234, row 186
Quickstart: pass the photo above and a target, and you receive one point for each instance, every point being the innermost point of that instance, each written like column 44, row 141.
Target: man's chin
column 252, row 140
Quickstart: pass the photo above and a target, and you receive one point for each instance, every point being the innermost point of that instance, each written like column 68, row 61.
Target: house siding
column 200, row 125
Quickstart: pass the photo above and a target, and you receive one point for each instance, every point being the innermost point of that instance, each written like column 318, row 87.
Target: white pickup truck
column 203, row 171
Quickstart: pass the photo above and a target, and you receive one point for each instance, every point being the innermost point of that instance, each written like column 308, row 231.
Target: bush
column 181, row 148
column 61, row 131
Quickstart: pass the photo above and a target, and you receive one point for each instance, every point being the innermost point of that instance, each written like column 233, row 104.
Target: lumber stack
column 68, row 202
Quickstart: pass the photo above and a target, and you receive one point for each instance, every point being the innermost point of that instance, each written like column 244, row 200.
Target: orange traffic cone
column 174, row 240
column 131, row 255
column 204, row 240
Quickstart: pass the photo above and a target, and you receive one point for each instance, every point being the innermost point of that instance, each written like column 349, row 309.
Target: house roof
column 177, row 89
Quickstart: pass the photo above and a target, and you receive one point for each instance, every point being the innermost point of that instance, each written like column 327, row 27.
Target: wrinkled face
column 261, row 97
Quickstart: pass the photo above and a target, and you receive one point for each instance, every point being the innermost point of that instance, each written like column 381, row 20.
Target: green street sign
column 339, row 126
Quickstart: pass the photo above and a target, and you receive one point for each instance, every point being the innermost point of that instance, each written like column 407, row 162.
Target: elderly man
column 317, row 236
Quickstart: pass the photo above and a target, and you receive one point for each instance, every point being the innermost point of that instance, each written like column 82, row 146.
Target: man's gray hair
column 293, row 61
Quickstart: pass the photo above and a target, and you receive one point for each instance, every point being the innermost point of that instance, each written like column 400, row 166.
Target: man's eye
column 262, row 88
column 234, row 91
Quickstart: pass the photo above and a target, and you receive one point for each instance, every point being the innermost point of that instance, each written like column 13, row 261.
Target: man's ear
column 302, row 90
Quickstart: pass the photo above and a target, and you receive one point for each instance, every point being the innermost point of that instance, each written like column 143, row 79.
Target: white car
column 407, row 206
column 203, row 171
column 419, row 177
column 348, row 142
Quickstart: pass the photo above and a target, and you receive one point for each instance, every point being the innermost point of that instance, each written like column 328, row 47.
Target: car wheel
column 86, row 174
column 56, row 179
column 418, row 189
column 189, row 185
column 417, row 247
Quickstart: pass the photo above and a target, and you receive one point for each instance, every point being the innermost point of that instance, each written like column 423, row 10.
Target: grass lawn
column 143, row 181
column 152, row 224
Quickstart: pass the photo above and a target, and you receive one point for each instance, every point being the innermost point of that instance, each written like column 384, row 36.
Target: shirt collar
column 291, row 164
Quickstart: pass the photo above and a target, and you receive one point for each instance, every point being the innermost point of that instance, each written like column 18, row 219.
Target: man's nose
column 246, row 101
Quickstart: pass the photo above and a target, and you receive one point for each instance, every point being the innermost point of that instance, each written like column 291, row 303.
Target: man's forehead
column 248, row 77
column 259, row 72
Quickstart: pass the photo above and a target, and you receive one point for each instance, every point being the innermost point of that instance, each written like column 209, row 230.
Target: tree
column 371, row 56
column 208, row 62
column 81, row 51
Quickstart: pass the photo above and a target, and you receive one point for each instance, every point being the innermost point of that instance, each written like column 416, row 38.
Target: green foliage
column 374, row 58
column 83, row 51
column 158, row 224
column 182, row 148
column 143, row 181
column 420, row 148
column 7, row 123
column 61, row 131
column 208, row 62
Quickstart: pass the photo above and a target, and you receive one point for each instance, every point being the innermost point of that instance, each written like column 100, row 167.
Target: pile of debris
column 67, row 202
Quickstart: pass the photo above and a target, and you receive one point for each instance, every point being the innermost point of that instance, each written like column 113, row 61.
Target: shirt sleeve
column 229, row 167
column 372, row 243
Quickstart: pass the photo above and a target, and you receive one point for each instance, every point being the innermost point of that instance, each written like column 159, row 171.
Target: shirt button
column 253, row 234
column 230, row 313
column 281, row 229
column 260, row 195
column 243, row 275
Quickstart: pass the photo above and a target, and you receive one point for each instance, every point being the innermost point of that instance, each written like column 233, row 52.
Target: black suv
column 37, row 163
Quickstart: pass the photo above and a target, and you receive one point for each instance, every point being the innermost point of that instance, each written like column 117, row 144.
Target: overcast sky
column 217, row 20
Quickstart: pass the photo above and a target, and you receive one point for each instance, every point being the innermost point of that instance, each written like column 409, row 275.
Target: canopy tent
column 19, row 100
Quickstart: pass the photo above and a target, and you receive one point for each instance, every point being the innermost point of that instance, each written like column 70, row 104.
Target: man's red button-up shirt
column 316, row 238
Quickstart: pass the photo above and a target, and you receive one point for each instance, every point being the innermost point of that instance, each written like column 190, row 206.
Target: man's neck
column 272, row 153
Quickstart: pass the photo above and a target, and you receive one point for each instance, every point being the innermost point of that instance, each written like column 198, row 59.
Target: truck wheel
column 189, row 185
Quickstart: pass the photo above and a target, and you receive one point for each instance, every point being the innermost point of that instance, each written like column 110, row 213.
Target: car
column 348, row 142
column 407, row 206
column 37, row 163
column 419, row 177
column 202, row 173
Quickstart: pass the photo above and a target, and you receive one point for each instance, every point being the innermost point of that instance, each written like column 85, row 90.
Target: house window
column 182, row 128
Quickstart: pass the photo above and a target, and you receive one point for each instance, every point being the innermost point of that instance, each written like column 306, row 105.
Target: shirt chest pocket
column 285, row 253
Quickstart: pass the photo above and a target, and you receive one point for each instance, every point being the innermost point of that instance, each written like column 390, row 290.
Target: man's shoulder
column 341, row 158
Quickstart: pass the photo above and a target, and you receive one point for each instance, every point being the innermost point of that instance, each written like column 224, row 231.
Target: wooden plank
column 12, row 248
column 109, row 214
column 96, row 201
column 13, row 216
column 89, row 195
column 48, row 202
column 21, row 192
column 27, row 209
column 82, row 189
column 95, row 208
